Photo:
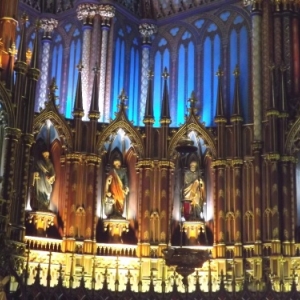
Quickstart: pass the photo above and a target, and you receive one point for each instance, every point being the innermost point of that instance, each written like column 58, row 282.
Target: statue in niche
column 193, row 193
column 3, row 282
column 43, row 178
column 116, row 190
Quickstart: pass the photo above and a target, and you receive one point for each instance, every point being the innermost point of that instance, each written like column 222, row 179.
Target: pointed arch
column 292, row 144
column 200, row 130
column 130, row 131
column 7, row 105
column 64, row 131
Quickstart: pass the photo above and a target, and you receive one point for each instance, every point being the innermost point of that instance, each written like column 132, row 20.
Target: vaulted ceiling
column 144, row 9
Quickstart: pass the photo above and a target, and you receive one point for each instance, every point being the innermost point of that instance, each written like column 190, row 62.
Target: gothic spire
column 23, row 47
column 165, row 109
column 94, row 108
column 36, row 48
column 52, row 88
column 220, row 100
column 9, row 76
column 78, row 108
column 283, row 93
column 236, row 98
column 149, row 100
column 122, row 97
column 273, row 97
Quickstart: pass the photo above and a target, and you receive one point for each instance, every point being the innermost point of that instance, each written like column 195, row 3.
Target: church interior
column 150, row 149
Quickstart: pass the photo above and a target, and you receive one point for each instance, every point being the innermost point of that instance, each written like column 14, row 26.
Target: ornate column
column 147, row 31
column 12, row 136
column 106, row 12
column 277, row 38
column 296, row 48
column 287, row 40
column 86, row 13
column 92, row 163
column 220, row 166
column 48, row 26
column 164, row 205
column 95, row 49
column 8, row 26
column 256, row 14
column 257, row 170
column 145, row 175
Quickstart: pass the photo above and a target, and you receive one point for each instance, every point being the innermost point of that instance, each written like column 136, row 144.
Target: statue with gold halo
column 193, row 192
column 116, row 190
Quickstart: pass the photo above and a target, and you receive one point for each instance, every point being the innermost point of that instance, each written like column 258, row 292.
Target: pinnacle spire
column 52, row 88
column 35, row 51
column 165, row 109
column 122, row 97
column 94, row 108
column 78, row 107
column 283, row 92
column 23, row 48
column 9, row 76
column 220, row 99
column 273, row 97
column 149, row 100
column 236, row 98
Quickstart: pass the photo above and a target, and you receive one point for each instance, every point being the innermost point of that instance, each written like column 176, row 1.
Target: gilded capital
column 48, row 26
column 147, row 30
column 106, row 12
column 86, row 13
column 255, row 4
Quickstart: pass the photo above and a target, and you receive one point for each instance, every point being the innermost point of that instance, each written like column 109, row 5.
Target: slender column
column 256, row 65
column 286, row 197
column 296, row 49
column 145, row 172
column 286, row 45
column 147, row 31
column 8, row 25
column 237, row 181
column 12, row 136
column 256, row 150
column 166, row 175
column 277, row 34
column 273, row 169
column 89, row 201
column 220, row 166
column 86, row 13
column 48, row 26
column 95, row 50
column 106, row 12
column 17, row 211
column 74, row 191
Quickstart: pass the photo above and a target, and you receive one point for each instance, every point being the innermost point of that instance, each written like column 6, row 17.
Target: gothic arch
column 292, row 144
column 193, row 125
column 122, row 122
column 6, row 102
column 50, row 113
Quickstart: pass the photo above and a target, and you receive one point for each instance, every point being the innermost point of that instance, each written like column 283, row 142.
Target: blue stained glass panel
column 244, row 71
column 216, row 65
column 233, row 62
column 157, row 88
column 180, row 87
column 191, row 69
column 75, row 54
column 207, row 83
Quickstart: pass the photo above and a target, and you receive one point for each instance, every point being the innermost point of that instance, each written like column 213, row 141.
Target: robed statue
column 116, row 190
column 194, row 192
column 3, row 282
column 43, row 180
